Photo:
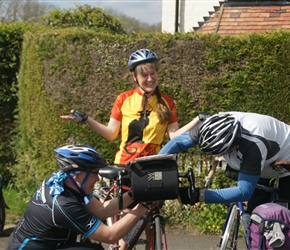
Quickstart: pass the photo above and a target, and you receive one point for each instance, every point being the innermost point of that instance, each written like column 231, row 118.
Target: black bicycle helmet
column 219, row 134
column 141, row 56
column 79, row 157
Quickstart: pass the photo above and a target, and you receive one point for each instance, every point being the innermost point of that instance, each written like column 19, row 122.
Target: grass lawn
column 16, row 205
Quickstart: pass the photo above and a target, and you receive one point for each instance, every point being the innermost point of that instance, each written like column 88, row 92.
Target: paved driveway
column 176, row 239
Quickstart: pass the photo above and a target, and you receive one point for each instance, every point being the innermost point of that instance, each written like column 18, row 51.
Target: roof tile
column 246, row 19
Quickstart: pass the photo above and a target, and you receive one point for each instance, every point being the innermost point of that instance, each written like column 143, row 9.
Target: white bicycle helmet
column 219, row 134
column 141, row 56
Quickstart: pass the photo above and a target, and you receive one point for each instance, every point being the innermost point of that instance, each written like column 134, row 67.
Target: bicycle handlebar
column 190, row 176
column 117, row 174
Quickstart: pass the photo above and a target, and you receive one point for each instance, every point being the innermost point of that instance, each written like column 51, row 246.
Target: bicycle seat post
column 276, row 183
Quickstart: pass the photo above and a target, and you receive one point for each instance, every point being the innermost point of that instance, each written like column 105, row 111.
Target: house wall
column 190, row 13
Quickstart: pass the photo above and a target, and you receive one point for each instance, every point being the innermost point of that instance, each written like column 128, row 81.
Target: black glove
column 187, row 196
column 204, row 115
column 78, row 116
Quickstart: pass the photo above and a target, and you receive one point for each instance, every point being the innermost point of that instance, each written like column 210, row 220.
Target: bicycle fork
column 157, row 239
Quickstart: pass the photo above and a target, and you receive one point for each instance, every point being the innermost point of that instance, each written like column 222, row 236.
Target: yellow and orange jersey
column 141, row 134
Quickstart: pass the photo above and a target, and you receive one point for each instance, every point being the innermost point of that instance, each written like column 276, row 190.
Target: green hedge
column 77, row 68
column 250, row 73
column 10, row 47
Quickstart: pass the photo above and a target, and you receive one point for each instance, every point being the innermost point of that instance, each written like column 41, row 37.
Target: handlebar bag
column 270, row 227
column 154, row 178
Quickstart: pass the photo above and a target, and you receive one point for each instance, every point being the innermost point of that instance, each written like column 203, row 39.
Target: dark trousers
column 260, row 196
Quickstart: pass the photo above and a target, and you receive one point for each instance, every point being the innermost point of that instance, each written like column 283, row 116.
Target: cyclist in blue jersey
column 64, row 207
column 249, row 142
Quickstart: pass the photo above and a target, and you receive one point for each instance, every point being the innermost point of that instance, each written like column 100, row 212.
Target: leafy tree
column 84, row 16
column 23, row 10
column 131, row 24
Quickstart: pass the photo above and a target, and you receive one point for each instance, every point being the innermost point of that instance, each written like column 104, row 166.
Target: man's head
column 219, row 134
column 79, row 157
column 79, row 164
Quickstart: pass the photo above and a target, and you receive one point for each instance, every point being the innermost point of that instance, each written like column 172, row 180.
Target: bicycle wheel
column 230, row 233
column 159, row 234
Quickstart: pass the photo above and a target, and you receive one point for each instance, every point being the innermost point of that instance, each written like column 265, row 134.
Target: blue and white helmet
column 219, row 134
column 141, row 56
column 79, row 157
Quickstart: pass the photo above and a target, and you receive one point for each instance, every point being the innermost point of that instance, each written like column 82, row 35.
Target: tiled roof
column 234, row 20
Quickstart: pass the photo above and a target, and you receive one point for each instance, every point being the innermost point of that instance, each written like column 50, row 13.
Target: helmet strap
column 80, row 188
column 145, row 92
column 146, row 99
column 85, row 180
column 145, row 105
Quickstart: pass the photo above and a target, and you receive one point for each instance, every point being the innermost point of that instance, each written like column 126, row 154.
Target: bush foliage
column 84, row 16
column 10, row 47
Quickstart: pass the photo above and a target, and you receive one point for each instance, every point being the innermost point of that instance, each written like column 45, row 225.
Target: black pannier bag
column 154, row 177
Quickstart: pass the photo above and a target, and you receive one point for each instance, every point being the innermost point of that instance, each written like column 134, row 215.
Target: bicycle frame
column 236, row 212
column 112, row 193
column 157, row 239
column 114, row 190
column 153, row 218
column 230, row 230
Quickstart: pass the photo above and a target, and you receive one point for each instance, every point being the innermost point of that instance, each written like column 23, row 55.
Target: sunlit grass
column 16, row 203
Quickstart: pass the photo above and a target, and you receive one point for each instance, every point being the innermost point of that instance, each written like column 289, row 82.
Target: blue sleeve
column 178, row 144
column 242, row 192
column 93, row 228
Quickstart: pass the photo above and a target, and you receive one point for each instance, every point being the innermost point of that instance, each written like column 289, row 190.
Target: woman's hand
column 75, row 116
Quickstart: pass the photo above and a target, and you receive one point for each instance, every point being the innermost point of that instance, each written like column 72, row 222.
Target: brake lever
column 120, row 193
column 120, row 190
column 191, row 179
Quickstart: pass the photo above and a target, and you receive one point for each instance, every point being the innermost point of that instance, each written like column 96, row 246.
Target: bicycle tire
column 135, row 240
column 230, row 230
column 158, row 244
column 164, row 240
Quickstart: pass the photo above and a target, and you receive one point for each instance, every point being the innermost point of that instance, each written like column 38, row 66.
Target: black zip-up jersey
column 51, row 222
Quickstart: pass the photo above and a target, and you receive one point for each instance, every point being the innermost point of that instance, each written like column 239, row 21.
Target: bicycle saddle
column 112, row 171
column 284, row 164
